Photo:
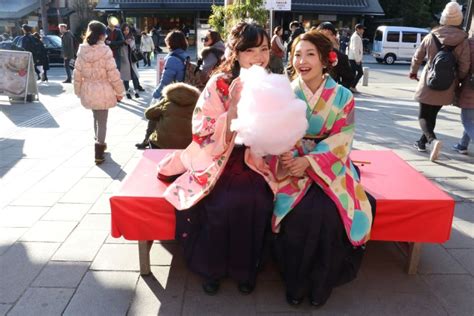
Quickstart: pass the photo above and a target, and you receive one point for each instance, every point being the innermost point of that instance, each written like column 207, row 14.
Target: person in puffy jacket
column 173, row 71
column 449, row 33
column 173, row 115
column 97, row 82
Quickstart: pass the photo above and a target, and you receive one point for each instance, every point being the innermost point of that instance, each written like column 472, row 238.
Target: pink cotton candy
column 270, row 119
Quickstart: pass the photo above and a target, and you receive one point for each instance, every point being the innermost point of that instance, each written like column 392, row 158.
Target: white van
column 392, row 43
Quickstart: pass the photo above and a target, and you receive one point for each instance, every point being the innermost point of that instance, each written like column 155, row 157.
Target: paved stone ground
column 57, row 256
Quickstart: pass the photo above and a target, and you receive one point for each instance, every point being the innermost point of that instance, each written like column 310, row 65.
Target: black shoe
column 421, row 147
column 210, row 287
column 141, row 89
column 317, row 303
column 245, row 288
column 44, row 78
column 67, row 81
column 293, row 301
column 137, row 95
column 129, row 96
column 143, row 145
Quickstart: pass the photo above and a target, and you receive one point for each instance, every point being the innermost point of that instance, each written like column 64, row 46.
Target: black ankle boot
column 293, row 301
column 143, row 145
column 211, row 287
column 99, row 153
column 245, row 288
column 129, row 96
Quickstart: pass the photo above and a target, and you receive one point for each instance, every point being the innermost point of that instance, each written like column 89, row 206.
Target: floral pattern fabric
column 203, row 161
column 327, row 146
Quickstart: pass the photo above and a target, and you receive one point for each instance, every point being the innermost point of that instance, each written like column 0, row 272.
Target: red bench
column 410, row 209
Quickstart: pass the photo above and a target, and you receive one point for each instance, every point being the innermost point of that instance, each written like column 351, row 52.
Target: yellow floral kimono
column 327, row 146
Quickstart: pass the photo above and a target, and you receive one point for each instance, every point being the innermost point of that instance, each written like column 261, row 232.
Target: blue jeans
column 467, row 118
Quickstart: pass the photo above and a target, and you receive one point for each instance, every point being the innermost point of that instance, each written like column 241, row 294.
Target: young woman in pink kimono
column 224, row 195
column 322, row 214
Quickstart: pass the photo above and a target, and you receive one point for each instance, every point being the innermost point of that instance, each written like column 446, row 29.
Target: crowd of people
column 227, row 199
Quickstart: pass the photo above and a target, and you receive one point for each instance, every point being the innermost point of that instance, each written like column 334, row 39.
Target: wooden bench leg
column 144, row 247
column 414, row 252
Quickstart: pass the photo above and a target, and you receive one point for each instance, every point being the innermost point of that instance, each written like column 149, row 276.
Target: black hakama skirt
column 312, row 248
column 223, row 234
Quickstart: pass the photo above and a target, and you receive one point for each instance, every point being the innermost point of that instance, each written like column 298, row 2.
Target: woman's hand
column 298, row 166
column 235, row 90
column 286, row 159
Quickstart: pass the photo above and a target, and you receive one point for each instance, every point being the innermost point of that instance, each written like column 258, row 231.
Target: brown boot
column 99, row 153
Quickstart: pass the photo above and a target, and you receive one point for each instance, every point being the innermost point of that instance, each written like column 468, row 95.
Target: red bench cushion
column 409, row 207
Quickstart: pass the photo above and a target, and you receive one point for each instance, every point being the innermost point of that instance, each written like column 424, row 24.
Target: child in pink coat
column 97, row 82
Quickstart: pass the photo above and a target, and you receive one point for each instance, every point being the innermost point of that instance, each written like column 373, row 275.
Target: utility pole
column 468, row 17
column 44, row 16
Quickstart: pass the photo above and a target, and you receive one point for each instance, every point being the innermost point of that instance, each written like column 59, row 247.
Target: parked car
column 52, row 43
column 396, row 43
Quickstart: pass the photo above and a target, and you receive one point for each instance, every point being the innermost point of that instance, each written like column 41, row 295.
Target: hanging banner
column 277, row 5
column 17, row 73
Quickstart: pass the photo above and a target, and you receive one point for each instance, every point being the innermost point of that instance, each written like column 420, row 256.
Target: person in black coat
column 42, row 57
column 342, row 71
column 296, row 30
column 33, row 45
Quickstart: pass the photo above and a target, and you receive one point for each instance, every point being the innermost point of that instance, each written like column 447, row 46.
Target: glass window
column 378, row 35
column 393, row 37
column 409, row 37
column 423, row 36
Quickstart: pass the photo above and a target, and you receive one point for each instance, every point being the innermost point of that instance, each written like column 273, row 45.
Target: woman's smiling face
column 307, row 62
column 259, row 56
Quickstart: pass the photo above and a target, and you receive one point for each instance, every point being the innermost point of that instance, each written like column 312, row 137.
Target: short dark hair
column 327, row 26
column 294, row 23
column 176, row 39
column 95, row 30
column 277, row 29
column 215, row 36
column 26, row 28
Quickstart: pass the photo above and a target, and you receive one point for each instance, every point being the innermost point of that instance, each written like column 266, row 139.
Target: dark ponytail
column 95, row 30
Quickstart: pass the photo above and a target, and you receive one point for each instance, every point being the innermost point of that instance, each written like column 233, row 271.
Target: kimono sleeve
column 328, row 159
column 209, row 124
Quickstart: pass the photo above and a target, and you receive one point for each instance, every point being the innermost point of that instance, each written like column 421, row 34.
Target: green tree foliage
column 223, row 18
column 85, row 13
column 421, row 13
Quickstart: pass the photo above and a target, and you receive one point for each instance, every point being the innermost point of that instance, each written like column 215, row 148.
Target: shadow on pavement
column 30, row 115
column 11, row 151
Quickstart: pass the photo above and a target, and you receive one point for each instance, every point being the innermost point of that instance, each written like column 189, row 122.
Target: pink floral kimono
column 202, row 162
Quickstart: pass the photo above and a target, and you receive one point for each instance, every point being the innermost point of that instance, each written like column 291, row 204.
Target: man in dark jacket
column 27, row 41
column 69, row 52
column 115, row 39
column 342, row 72
column 296, row 30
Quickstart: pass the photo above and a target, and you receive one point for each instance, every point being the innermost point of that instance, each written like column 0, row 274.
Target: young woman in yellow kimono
column 322, row 214
column 224, row 197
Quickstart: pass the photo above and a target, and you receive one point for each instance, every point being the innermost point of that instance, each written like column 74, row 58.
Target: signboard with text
column 278, row 5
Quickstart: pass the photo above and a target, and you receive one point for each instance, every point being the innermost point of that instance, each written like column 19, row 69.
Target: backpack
column 442, row 69
column 192, row 74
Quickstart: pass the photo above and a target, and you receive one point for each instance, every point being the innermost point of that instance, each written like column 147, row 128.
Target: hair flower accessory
column 222, row 86
column 332, row 58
